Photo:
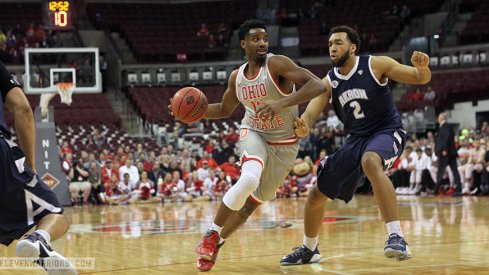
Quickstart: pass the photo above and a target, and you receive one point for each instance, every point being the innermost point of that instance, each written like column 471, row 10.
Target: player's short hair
column 350, row 32
column 247, row 25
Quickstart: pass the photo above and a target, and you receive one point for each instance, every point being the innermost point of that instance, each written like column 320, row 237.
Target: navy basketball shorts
column 341, row 173
column 24, row 198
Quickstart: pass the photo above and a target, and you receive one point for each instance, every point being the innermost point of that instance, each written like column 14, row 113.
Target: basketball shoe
column 397, row 247
column 301, row 255
column 208, row 245
column 206, row 265
column 35, row 246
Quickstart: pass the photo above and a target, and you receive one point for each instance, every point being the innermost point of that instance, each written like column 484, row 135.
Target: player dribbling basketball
column 268, row 147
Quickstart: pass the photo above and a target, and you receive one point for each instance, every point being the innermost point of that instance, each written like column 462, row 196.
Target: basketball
column 189, row 105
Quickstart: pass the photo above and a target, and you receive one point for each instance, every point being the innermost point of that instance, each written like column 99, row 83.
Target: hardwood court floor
column 446, row 235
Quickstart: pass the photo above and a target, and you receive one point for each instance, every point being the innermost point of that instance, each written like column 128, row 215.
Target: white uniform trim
column 329, row 81
column 353, row 70
column 279, row 89
column 43, row 205
column 373, row 75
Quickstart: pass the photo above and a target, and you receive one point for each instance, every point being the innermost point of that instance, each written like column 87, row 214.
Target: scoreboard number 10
column 57, row 14
column 60, row 9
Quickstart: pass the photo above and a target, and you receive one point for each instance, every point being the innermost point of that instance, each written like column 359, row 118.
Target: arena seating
column 477, row 28
column 29, row 12
column 86, row 109
column 151, row 103
column 158, row 32
column 17, row 38
column 450, row 87
column 77, row 122
column 368, row 17
column 77, row 136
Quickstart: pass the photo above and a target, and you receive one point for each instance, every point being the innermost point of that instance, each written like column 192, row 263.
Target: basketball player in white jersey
column 268, row 148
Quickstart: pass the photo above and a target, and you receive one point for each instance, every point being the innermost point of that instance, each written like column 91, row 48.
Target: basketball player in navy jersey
column 267, row 148
column 357, row 89
column 25, row 200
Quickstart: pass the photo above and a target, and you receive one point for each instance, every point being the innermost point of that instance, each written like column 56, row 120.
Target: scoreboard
column 58, row 15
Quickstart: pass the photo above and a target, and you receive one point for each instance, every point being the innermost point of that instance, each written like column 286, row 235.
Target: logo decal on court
column 50, row 180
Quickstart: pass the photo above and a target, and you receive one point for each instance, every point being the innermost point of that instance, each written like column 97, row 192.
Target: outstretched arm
column 286, row 68
column 419, row 73
column 227, row 105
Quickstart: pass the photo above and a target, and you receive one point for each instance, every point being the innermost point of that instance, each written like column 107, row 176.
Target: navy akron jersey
column 361, row 102
column 7, row 82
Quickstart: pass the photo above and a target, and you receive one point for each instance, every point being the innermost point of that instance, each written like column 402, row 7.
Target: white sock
column 310, row 243
column 221, row 241
column 44, row 234
column 217, row 228
column 394, row 227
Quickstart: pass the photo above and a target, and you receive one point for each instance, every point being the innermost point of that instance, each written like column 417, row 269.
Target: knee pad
column 235, row 198
column 249, row 181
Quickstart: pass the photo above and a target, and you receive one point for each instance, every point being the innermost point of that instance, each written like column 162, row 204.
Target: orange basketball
column 189, row 105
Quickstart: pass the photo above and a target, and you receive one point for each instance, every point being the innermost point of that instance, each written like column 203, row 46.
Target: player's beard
column 261, row 58
column 342, row 60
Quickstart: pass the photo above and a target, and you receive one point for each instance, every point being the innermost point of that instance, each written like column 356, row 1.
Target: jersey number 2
column 358, row 109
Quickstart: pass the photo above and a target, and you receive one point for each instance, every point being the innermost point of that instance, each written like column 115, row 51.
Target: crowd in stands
column 181, row 171
column 415, row 172
column 14, row 40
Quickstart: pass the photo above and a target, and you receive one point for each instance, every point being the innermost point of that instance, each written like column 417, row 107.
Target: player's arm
column 419, row 73
column 25, row 128
column 313, row 110
column 312, row 86
column 228, row 103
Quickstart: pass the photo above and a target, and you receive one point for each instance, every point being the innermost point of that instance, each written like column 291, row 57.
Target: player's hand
column 267, row 111
column 169, row 108
column 301, row 129
column 420, row 60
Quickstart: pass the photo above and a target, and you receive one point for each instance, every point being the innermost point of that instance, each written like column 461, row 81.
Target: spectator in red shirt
column 107, row 171
column 232, row 137
column 417, row 95
column 222, row 185
column 205, row 157
column 229, row 168
column 67, row 163
column 203, row 31
column 65, row 148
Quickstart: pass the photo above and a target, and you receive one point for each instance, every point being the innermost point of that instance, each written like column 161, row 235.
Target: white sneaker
column 35, row 246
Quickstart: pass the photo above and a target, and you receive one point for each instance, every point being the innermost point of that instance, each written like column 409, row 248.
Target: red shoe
column 208, row 247
column 206, row 265
column 450, row 191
